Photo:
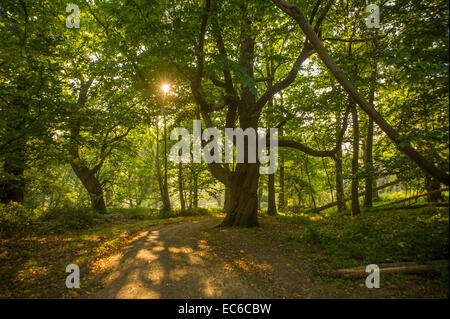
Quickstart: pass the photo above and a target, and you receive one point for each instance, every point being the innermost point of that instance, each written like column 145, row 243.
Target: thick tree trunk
column 355, row 198
column 219, row 197
column 226, row 201
column 92, row 185
column 271, row 206
column 242, row 206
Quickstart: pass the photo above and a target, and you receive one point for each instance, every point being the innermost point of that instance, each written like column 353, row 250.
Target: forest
column 93, row 95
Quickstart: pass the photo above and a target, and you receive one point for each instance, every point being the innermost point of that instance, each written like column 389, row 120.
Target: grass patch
column 375, row 237
column 33, row 265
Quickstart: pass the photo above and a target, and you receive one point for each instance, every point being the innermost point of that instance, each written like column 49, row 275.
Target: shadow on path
column 171, row 261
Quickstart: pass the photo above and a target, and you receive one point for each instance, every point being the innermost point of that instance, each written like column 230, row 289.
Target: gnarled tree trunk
column 93, row 186
column 242, row 208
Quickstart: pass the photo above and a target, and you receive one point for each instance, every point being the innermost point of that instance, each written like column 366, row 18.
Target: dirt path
column 171, row 261
column 192, row 259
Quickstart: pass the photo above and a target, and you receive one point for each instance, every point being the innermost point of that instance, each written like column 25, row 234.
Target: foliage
column 15, row 220
column 377, row 237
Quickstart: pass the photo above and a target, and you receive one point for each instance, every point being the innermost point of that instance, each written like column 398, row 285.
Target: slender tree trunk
column 195, row 199
column 355, row 159
column 162, row 189
column 180, row 188
column 374, row 190
column 260, row 194
column 281, row 198
column 328, row 179
column 190, row 194
column 310, row 185
column 368, row 153
column 271, row 206
column 340, row 196
column 166, row 187
column 299, row 198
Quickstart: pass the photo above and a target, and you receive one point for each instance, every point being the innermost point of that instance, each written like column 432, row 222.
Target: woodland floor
column 187, row 257
column 193, row 259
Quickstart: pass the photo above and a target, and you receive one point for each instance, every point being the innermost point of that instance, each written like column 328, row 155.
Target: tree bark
column 368, row 152
column 355, row 159
column 271, row 206
column 310, row 185
column 180, row 188
column 242, row 183
column 162, row 189
column 281, row 198
column 260, row 194
column 88, row 176
column 93, row 186
column 242, row 208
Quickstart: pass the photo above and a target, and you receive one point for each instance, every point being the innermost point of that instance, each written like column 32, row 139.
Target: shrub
column 15, row 220
column 68, row 218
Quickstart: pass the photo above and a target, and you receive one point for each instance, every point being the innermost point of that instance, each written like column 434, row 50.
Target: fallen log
column 318, row 209
column 414, row 197
column 383, row 209
column 435, row 266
